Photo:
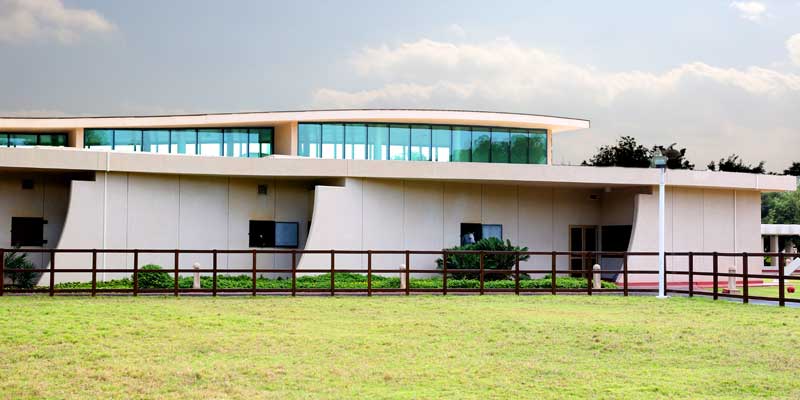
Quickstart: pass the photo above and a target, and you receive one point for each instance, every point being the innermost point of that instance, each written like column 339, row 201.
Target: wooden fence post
column 52, row 272
column 745, row 275
column 176, row 263
column 94, row 272
column 553, row 256
column 408, row 273
column 444, row 273
column 2, row 271
column 715, row 276
column 516, row 273
column 255, row 263
column 781, row 280
column 135, row 273
column 294, row 273
column 214, row 272
column 369, row 272
column 691, row 274
column 625, row 274
column 481, row 272
column 333, row 272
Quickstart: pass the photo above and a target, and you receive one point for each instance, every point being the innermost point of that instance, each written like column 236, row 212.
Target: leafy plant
column 21, row 279
column 734, row 163
column 490, row 261
column 154, row 280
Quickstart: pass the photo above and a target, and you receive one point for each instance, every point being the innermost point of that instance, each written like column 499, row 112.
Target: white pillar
column 403, row 282
column 773, row 248
column 597, row 278
column 661, row 234
column 196, row 282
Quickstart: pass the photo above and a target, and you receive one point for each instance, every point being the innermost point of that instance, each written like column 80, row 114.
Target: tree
column 735, row 164
column 781, row 208
column 628, row 153
column 491, row 261
column 794, row 170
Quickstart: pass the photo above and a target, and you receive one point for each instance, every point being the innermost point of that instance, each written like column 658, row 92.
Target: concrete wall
column 165, row 212
column 48, row 199
column 698, row 220
column 374, row 214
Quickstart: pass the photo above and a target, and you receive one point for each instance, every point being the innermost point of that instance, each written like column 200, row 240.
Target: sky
column 717, row 77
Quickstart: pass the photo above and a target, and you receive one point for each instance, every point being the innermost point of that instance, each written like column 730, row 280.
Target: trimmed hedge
column 343, row 280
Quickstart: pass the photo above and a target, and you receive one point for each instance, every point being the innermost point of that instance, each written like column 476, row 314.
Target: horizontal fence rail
column 681, row 272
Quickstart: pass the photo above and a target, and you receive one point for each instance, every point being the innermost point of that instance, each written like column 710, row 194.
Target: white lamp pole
column 660, row 162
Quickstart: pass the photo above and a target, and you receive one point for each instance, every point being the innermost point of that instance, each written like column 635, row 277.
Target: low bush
column 490, row 261
column 21, row 279
column 155, row 280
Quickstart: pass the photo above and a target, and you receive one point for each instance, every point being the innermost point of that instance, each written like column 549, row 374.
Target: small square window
column 27, row 184
column 262, row 233
column 27, row 231
column 262, row 189
column 286, row 234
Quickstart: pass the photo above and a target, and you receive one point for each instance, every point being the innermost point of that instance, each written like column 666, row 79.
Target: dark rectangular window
column 471, row 232
column 262, row 234
column 27, row 231
column 286, row 234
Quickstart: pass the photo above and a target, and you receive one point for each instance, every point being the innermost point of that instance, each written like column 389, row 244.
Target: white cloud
column 456, row 30
column 793, row 45
column 26, row 20
column 750, row 10
column 711, row 109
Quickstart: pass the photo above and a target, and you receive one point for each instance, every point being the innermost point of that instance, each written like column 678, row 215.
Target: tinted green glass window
column 209, row 142
column 501, row 141
column 56, row 140
column 441, row 143
column 377, row 141
column 155, row 141
column 3, row 140
column 127, row 140
column 100, row 139
column 265, row 140
column 22, row 140
column 400, row 140
column 355, row 138
column 333, row 141
column 481, row 142
column 538, row 147
column 462, row 144
column 183, row 141
column 235, row 142
column 420, row 143
column 309, row 137
column 519, row 146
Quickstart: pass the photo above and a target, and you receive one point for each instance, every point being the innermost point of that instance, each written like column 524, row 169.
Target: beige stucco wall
column 166, row 212
column 378, row 214
column 698, row 220
column 48, row 199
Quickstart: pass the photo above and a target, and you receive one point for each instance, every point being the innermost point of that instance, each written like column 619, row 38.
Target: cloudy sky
column 715, row 76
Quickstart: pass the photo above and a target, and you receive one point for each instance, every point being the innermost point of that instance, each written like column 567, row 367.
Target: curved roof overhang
column 454, row 117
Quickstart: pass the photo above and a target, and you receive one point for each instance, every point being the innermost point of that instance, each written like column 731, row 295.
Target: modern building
column 348, row 180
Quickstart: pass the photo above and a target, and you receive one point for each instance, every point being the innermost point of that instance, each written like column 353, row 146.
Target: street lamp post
column 660, row 162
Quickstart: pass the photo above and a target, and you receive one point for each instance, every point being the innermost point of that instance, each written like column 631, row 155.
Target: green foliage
column 490, row 261
column 628, row 153
column 155, row 280
column 735, row 164
column 21, row 279
column 781, row 208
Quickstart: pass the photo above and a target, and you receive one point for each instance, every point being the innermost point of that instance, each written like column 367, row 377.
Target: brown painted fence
column 675, row 275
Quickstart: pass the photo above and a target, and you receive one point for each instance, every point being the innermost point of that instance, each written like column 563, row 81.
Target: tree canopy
column 734, row 163
column 781, row 208
column 628, row 153
column 794, row 170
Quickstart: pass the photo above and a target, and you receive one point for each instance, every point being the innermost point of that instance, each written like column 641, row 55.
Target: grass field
column 396, row 347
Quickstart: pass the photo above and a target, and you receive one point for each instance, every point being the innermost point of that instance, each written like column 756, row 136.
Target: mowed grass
column 461, row 347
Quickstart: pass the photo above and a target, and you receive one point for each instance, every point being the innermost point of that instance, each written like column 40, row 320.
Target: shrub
column 21, row 279
column 490, row 261
column 154, row 280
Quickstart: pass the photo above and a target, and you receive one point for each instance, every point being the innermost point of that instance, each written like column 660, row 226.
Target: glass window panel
column 183, row 141
column 236, row 142
column 493, row 231
column 378, row 140
column 420, row 143
column 155, row 141
column 400, row 142
column 127, row 140
column 309, row 137
column 210, row 142
column 501, row 140
column 100, row 139
column 355, row 138
column 57, row 140
column 286, row 234
column 538, row 147
column 265, row 138
column 462, row 144
column 441, row 143
column 3, row 140
column 480, row 144
column 22, row 140
column 519, row 146
column 253, row 147
column 333, row 141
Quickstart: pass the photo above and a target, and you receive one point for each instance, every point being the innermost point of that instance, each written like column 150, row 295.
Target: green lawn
column 478, row 347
